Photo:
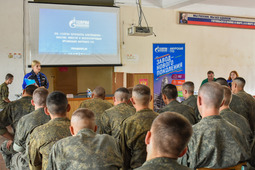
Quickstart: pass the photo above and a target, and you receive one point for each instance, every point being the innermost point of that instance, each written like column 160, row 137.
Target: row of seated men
column 102, row 136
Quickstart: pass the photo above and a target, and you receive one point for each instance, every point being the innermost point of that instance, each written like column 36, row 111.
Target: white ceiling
column 244, row 8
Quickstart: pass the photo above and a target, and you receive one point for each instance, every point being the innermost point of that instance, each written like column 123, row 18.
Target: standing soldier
column 4, row 91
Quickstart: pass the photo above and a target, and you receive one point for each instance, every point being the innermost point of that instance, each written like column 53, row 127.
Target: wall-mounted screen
column 73, row 34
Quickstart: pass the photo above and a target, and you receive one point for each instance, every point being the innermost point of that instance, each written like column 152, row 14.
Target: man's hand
column 9, row 143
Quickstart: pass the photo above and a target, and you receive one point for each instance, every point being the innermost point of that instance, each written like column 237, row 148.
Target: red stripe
column 221, row 24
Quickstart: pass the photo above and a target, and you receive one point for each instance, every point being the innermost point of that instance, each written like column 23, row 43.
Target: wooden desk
column 75, row 103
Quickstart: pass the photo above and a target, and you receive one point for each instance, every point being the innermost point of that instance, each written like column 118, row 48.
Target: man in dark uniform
column 215, row 142
column 4, row 91
column 97, row 104
column 166, row 141
column 190, row 99
column 25, row 127
column 238, row 89
column 43, row 137
column 233, row 117
column 10, row 116
column 85, row 149
column 135, row 127
column 169, row 95
column 112, row 118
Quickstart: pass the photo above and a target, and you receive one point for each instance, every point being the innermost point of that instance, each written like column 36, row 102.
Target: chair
column 241, row 166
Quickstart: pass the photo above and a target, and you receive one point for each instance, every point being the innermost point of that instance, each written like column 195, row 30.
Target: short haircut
column 142, row 94
column 8, row 76
column 30, row 89
column 212, row 94
column 40, row 96
column 170, row 91
column 189, row 86
column 99, row 91
column 172, row 132
column 57, row 103
column 240, row 82
column 222, row 81
column 210, row 72
column 121, row 94
column 34, row 62
column 84, row 117
column 227, row 95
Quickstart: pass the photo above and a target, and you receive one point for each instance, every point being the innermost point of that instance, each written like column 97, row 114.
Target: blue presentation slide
column 68, row 32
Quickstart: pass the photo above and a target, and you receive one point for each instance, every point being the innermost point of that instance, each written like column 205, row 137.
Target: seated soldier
column 169, row 95
column 166, row 141
column 215, row 142
column 85, row 149
column 190, row 99
column 238, row 89
column 97, row 104
column 135, row 127
column 26, row 125
column 43, row 137
column 112, row 118
column 237, row 104
column 10, row 116
column 233, row 117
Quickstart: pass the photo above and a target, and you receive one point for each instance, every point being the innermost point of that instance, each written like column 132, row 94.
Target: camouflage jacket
column 239, row 106
column 132, row 138
column 112, row 118
column 87, row 150
column 238, row 121
column 192, row 102
column 97, row 106
column 27, row 124
column 186, row 111
column 13, row 112
column 4, row 94
column 162, row 163
column 216, row 143
column 250, row 101
column 43, row 138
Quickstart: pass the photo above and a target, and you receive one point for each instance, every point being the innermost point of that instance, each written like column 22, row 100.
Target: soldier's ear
column 150, row 98
column 183, row 152
column 68, row 108
column 32, row 102
column 71, row 130
column 95, row 128
column 148, row 138
column 132, row 100
column 46, row 111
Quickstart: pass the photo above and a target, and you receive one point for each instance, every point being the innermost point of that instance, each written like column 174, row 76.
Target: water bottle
column 89, row 93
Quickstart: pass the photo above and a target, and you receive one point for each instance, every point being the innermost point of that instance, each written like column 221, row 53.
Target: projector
column 140, row 31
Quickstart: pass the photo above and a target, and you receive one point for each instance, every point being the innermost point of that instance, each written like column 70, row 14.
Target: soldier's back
column 87, row 150
column 192, row 102
column 112, row 119
column 239, row 106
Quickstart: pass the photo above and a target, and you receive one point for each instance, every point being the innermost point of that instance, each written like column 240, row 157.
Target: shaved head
column 141, row 94
column 222, row 81
column 212, row 94
column 40, row 96
column 171, row 133
column 240, row 82
column 189, row 86
column 83, row 118
column 227, row 95
column 121, row 94
column 99, row 92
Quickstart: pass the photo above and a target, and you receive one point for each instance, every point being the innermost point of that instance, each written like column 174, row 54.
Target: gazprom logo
column 160, row 49
column 78, row 23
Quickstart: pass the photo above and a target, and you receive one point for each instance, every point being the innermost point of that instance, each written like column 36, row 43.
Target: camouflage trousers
column 7, row 153
column 18, row 162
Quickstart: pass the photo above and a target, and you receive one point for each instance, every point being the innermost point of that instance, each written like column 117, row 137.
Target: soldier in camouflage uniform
column 166, row 141
column 215, row 142
column 169, row 95
column 26, row 125
column 233, row 117
column 10, row 116
column 237, row 104
column 190, row 99
column 97, row 104
column 43, row 137
column 238, row 89
column 85, row 149
column 135, row 127
column 4, row 91
column 112, row 118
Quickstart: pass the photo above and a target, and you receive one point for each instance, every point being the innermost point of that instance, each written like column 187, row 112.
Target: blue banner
column 168, row 68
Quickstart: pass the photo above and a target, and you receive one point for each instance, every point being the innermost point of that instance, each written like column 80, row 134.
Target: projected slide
column 68, row 32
